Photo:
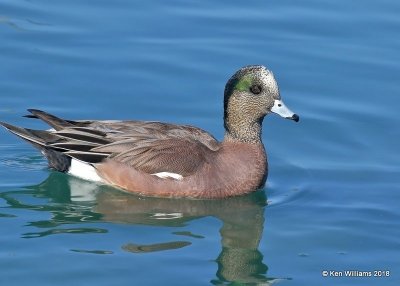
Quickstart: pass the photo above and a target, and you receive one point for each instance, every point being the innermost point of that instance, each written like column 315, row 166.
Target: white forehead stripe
column 269, row 79
column 281, row 109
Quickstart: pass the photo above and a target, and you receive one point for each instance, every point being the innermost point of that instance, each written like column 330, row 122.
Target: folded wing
column 151, row 147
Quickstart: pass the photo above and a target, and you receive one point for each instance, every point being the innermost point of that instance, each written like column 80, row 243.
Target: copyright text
column 355, row 273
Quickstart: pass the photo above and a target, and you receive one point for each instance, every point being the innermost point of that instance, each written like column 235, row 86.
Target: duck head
column 250, row 94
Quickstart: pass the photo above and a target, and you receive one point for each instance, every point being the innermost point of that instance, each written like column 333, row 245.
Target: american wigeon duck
column 167, row 160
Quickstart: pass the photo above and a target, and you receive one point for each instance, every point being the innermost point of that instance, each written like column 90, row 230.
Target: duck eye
column 255, row 89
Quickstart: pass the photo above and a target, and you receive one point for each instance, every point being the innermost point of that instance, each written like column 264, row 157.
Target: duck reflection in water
column 75, row 201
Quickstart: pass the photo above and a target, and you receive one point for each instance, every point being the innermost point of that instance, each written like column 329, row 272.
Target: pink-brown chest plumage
column 234, row 169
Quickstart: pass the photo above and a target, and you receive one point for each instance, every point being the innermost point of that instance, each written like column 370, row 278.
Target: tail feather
column 53, row 121
column 88, row 157
column 40, row 139
column 74, row 146
column 82, row 136
column 25, row 134
column 69, row 142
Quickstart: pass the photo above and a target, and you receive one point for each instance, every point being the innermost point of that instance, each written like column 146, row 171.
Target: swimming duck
column 168, row 160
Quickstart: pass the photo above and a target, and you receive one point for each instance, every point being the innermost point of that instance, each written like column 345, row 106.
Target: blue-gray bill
column 281, row 109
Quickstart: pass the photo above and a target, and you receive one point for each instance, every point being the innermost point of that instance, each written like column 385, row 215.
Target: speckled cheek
column 269, row 102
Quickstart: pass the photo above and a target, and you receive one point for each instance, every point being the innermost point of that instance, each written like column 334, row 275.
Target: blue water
column 331, row 200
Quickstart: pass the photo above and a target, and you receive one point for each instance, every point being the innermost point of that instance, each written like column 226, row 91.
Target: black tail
column 40, row 139
column 70, row 140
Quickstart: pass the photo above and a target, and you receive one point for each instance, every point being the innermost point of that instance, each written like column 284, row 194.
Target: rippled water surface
column 332, row 196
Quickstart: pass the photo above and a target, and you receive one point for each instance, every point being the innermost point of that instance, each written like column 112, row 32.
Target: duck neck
column 243, row 131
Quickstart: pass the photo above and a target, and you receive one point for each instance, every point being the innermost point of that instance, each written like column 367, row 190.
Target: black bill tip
column 294, row 117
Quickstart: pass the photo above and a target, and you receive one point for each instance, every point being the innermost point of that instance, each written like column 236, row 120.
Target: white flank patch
column 51, row 130
column 167, row 175
column 84, row 171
